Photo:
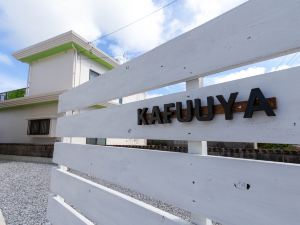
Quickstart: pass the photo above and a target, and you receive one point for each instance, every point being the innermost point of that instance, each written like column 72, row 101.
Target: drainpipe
column 69, row 140
column 28, row 80
column 74, row 66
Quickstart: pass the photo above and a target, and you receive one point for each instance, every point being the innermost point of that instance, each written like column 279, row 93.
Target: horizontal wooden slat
column 121, row 121
column 231, row 191
column 105, row 206
column 231, row 40
column 60, row 213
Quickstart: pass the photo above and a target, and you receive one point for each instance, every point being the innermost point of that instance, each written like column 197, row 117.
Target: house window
column 38, row 127
column 96, row 141
column 93, row 74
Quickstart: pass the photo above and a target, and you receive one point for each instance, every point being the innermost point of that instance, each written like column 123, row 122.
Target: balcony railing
column 18, row 93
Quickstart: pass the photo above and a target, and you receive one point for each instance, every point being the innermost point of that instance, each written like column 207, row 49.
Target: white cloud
column 152, row 95
column 286, row 62
column 249, row 72
column 118, row 53
column 28, row 22
column 204, row 10
column 5, row 59
column 199, row 12
column 134, row 98
column 31, row 21
column 174, row 28
column 8, row 83
column 281, row 67
column 140, row 36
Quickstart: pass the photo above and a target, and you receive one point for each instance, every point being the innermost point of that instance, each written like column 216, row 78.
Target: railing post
column 197, row 147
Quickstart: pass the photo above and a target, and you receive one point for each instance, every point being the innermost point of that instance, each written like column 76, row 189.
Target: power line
column 134, row 22
column 293, row 60
column 287, row 60
column 129, row 24
column 283, row 61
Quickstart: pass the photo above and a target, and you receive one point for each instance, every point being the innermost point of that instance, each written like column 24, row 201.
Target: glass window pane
column 93, row 74
column 38, row 127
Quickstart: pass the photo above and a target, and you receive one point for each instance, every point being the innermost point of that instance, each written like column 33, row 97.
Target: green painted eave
column 91, row 56
column 24, row 106
column 42, row 103
column 65, row 47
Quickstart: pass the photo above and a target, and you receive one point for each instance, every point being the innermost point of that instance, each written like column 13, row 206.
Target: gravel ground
column 139, row 196
column 24, row 192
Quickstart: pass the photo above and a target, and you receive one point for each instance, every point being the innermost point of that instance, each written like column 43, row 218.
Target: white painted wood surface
column 197, row 147
column 231, row 40
column 177, row 178
column 121, row 121
column 230, row 191
column 105, row 206
column 60, row 213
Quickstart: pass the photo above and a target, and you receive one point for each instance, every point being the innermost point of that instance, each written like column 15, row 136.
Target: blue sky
column 276, row 64
column 21, row 25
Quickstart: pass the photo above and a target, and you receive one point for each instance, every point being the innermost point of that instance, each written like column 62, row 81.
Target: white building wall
column 54, row 73
column 83, row 67
column 14, row 122
column 51, row 74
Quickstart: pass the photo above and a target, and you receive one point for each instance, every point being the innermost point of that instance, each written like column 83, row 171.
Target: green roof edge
column 28, row 105
column 65, row 47
column 97, row 106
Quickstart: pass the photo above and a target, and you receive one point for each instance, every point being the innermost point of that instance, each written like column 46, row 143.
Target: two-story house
column 29, row 115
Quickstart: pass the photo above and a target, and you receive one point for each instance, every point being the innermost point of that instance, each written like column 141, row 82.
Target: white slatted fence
column 121, row 121
column 230, row 191
column 178, row 179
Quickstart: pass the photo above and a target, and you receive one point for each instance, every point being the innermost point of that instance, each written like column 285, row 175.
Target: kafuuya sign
column 194, row 109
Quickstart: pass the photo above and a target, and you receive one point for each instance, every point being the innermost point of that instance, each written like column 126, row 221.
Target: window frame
column 39, row 130
column 93, row 72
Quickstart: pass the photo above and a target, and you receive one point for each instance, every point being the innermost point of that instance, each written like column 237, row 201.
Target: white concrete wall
column 61, row 71
column 14, row 122
column 83, row 66
column 54, row 73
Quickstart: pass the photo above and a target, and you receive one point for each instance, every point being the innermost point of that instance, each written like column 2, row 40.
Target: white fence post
column 197, row 147
column 66, row 140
